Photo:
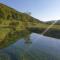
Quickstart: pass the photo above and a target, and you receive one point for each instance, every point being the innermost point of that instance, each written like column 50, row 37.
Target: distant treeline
column 51, row 32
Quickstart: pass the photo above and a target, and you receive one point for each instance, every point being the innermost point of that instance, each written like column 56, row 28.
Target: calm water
column 38, row 48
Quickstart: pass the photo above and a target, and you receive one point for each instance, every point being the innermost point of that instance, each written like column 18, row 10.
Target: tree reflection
column 27, row 43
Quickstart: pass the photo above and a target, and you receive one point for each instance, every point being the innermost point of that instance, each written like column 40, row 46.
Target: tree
column 28, row 13
column 8, row 17
column 13, row 25
column 14, row 16
column 1, row 14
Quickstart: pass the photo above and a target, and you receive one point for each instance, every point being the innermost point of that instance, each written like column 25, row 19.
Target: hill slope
column 15, row 25
column 50, row 22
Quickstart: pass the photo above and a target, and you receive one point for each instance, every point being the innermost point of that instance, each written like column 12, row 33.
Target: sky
column 44, row 10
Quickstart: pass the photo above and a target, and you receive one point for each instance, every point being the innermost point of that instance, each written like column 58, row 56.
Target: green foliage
column 1, row 14
column 0, row 21
column 8, row 17
column 14, row 16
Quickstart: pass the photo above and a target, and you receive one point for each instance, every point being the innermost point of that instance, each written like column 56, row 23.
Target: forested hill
column 8, row 13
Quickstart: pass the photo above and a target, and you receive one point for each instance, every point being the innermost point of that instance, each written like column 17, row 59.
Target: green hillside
column 15, row 25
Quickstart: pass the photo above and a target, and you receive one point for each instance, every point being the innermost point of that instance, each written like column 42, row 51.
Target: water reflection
column 27, row 43
column 37, row 47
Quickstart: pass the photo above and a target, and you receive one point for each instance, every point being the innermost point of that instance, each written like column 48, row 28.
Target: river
column 39, row 47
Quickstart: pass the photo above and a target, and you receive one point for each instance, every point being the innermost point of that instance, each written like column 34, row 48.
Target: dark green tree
column 1, row 14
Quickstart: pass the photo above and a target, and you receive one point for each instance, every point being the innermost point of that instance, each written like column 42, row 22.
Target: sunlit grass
column 3, row 32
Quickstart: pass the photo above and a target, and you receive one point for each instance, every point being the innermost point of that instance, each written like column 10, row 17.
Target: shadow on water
column 37, row 47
